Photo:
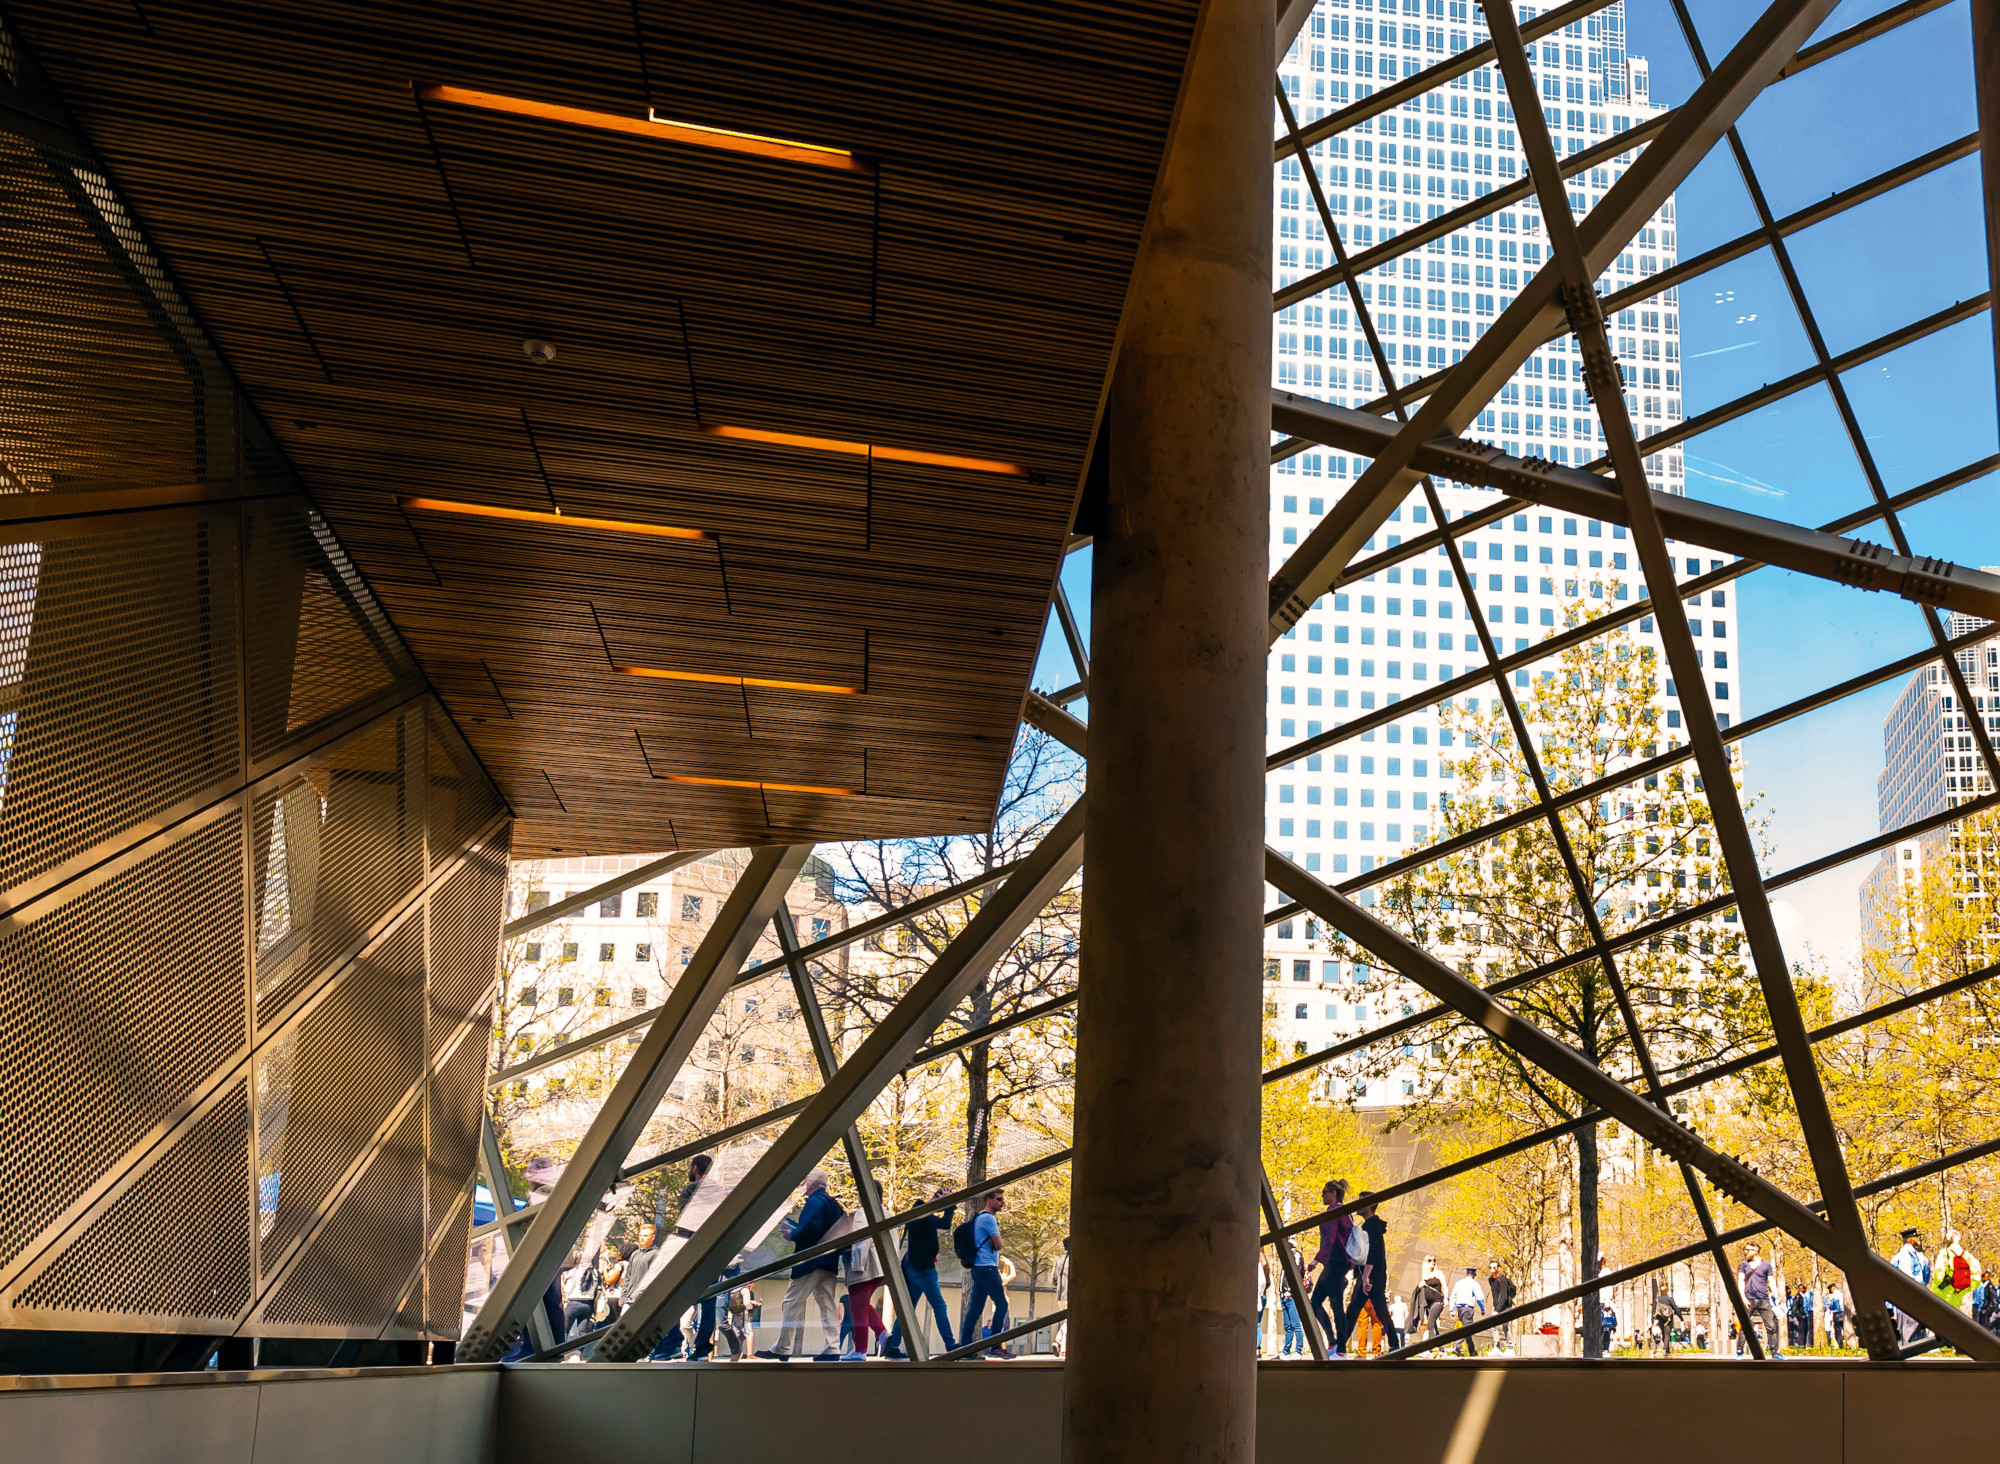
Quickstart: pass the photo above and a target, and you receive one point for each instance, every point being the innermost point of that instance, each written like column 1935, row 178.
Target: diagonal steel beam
column 1865, row 1270
column 1850, row 1247
column 616, row 885
column 999, row 922
column 594, row 1167
column 1537, row 313
column 859, row 1168
column 1574, row 490
column 1079, row 654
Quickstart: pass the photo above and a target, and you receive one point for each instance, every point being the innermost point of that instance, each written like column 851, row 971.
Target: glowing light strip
column 653, row 126
column 715, row 680
column 865, row 449
column 562, row 520
column 770, row 787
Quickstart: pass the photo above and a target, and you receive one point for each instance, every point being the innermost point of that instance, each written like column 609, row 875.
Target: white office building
column 1396, row 635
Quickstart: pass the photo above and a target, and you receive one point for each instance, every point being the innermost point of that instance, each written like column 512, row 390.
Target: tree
column 1043, row 780
column 1506, row 904
column 1310, row 1139
column 1915, row 1086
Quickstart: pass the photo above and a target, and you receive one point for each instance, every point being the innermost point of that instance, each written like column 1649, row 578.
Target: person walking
column 1957, row 1271
column 1294, row 1344
column 1468, row 1302
column 1666, row 1311
column 1911, row 1262
column 1331, row 1262
column 1371, row 1282
column 1986, row 1304
column 1794, row 1310
column 1430, row 1296
column 1059, row 1283
column 1399, row 1315
column 579, row 1293
column 1500, row 1288
column 865, row 1277
column 1753, row 1275
column 1836, row 1316
column 733, row 1316
column 813, row 1282
column 987, row 1247
column 920, row 1274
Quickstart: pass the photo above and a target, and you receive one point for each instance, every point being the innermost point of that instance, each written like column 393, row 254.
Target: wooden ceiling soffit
column 804, row 655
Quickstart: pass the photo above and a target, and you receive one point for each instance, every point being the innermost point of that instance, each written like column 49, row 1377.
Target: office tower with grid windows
column 1396, row 635
column 1931, row 763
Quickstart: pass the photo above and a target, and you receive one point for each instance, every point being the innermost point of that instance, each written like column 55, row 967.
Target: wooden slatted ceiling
column 370, row 264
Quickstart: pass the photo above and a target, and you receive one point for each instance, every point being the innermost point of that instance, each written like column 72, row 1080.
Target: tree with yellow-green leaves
column 1503, row 905
column 1916, row 1086
column 1310, row 1139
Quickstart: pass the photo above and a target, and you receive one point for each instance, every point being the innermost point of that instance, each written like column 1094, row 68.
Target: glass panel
column 1850, row 118
column 1928, row 408
column 1811, row 783
column 1799, row 634
column 1962, row 525
column 1841, row 263
column 1738, row 332
column 1791, row 460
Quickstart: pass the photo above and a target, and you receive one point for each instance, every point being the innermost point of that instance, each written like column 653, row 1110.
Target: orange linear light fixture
column 766, row 787
column 561, row 520
column 653, row 125
column 866, row 449
column 714, row 680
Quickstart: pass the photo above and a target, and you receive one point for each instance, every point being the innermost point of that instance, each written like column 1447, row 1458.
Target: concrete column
column 1164, row 1205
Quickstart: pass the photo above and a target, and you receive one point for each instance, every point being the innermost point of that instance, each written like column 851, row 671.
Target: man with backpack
column 1957, row 1271
column 978, row 1246
column 1467, row 1303
column 920, row 1258
column 1666, row 1311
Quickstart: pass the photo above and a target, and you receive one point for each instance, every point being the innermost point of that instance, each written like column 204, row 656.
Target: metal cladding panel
column 114, row 1007
column 94, row 749
column 314, row 647
column 338, row 848
column 218, row 1107
column 458, row 1086
column 465, row 937
column 444, row 1276
column 358, row 1055
column 462, row 799
column 173, row 1248
column 351, row 1273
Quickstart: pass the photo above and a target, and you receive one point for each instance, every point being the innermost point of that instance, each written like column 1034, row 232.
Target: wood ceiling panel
column 370, row 264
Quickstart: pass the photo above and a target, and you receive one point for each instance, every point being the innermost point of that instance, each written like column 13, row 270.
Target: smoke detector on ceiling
column 538, row 351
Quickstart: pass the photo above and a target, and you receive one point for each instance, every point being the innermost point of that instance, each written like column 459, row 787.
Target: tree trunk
column 1586, row 1213
column 978, row 1104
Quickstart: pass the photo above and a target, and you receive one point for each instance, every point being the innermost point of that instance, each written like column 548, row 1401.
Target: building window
column 822, row 929
column 649, row 905
column 569, row 950
column 565, row 996
column 690, row 907
column 527, row 995
column 643, row 952
column 602, row 997
column 535, row 951
column 1302, row 970
column 607, row 951
column 610, row 906
column 640, row 996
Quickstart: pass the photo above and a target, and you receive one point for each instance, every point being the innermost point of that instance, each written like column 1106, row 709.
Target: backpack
column 964, row 1246
column 1961, row 1272
column 1357, row 1245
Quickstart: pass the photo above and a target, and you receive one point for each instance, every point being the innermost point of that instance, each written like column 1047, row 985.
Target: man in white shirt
column 1911, row 1261
column 1467, row 1302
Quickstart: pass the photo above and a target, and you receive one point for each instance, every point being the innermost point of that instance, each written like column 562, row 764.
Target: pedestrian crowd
column 839, row 1289
column 1347, row 1291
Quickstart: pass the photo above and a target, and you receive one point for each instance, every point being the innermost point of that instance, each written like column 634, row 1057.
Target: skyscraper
column 1398, row 634
column 1929, row 764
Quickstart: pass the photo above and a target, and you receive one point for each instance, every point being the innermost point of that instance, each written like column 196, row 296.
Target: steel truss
column 1409, row 453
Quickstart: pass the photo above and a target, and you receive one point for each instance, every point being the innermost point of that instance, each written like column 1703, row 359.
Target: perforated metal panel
column 175, row 1247
column 113, row 1007
column 463, row 799
column 338, row 849
column 465, row 936
column 444, row 1276
column 127, row 700
column 359, row 1053
column 316, row 645
column 216, row 1112
column 349, row 1276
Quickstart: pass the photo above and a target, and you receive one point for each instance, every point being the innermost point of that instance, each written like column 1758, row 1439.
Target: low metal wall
column 1439, row 1412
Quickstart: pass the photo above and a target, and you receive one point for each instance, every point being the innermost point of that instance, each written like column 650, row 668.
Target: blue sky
column 1924, row 410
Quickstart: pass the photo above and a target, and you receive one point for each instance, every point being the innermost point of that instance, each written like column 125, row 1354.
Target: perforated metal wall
column 251, row 878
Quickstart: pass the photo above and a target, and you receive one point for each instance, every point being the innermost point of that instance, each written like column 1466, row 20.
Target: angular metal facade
column 251, row 877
